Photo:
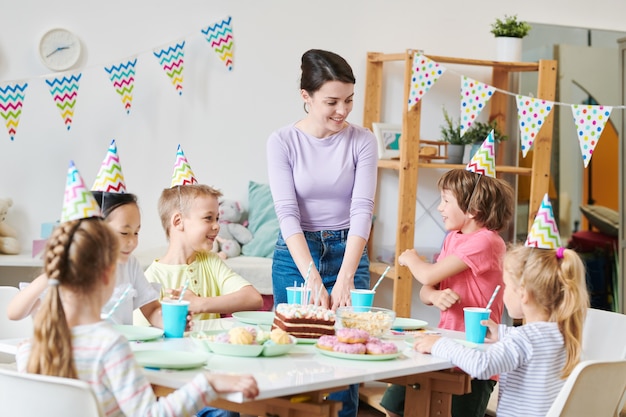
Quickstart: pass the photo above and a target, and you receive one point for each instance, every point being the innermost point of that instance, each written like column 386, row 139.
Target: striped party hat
column 484, row 160
column 78, row 202
column 182, row 175
column 110, row 178
column 544, row 233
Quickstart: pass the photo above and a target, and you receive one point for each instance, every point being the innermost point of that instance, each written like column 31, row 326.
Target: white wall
column 222, row 119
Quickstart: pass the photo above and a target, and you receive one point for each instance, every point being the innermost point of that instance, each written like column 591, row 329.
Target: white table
column 295, row 384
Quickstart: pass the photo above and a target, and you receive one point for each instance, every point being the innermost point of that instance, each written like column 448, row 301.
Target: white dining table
column 297, row 383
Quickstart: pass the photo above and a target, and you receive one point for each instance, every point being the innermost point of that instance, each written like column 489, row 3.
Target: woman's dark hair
column 110, row 201
column 320, row 66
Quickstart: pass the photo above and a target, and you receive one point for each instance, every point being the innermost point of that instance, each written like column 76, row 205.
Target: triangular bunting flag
column 474, row 97
column 544, row 233
column 531, row 113
column 110, row 178
column 172, row 59
column 11, row 102
column 425, row 72
column 220, row 37
column 590, row 122
column 78, row 201
column 123, row 78
column 64, row 91
column 182, row 175
column 484, row 160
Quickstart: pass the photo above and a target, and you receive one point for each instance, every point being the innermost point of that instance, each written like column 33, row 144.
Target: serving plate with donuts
column 356, row 344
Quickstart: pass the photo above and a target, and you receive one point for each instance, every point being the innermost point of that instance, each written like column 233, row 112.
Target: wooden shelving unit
column 408, row 163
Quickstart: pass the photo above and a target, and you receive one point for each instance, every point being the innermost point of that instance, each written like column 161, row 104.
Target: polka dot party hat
column 110, row 178
column 182, row 175
column 544, row 233
column 484, row 160
column 78, row 202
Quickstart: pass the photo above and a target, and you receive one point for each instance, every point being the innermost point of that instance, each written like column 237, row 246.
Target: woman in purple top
column 322, row 173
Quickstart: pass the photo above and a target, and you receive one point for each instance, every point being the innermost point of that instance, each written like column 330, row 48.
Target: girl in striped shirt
column 70, row 340
column 547, row 288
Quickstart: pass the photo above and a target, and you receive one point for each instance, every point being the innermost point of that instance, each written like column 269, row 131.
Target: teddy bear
column 233, row 231
column 8, row 236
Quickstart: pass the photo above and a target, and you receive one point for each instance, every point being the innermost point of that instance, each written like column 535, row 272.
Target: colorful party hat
column 78, row 203
column 484, row 161
column 544, row 233
column 182, row 175
column 110, row 178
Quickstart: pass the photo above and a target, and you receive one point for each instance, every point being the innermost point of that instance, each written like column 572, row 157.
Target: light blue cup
column 474, row 331
column 174, row 317
column 294, row 294
column 362, row 300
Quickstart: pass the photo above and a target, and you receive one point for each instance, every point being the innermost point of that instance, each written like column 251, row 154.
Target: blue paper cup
column 174, row 314
column 362, row 300
column 294, row 294
column 474, row 331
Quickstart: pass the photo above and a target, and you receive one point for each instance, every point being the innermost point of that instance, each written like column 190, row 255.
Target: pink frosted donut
column 347, row 335
column 381, row 348
column 373, row 339
column 353, row 348
column 327, row 342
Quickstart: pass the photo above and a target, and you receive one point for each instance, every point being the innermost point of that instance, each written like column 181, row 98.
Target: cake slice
column 304, row 321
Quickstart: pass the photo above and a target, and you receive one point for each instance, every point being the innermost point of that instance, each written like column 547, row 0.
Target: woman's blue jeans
column 327, row 248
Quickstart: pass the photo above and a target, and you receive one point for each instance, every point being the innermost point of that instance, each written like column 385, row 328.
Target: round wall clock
column 59, row 49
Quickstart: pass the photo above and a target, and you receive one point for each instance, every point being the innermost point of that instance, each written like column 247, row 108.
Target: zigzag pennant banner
column 590, row 121
column 474, row 97
column 64, row 91
column 172, row 60
column 484, row 160
column 78, row 201
column 123, row 78
column 531, row 113
column 11, row 102
column 425, row 73
column 220, row 37
column 110, row 178
column 544, row 233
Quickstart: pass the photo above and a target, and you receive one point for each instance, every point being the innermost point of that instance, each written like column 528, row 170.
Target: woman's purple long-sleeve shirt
column 323, row 184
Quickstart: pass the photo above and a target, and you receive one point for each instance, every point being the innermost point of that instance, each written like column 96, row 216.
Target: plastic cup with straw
column 182, row 292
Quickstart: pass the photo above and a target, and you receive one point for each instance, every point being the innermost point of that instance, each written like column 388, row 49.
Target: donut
column 326, row 342
column 346, row 335
column 381, row 348
column 352, row 348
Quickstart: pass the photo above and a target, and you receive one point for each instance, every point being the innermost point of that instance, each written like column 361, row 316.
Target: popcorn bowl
column 374, row 320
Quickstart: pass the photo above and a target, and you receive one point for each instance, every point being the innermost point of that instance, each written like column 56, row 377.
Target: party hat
column 110, row 178
column 544, row 232
column 78, row 202
column 484, row 161
column 182, row 175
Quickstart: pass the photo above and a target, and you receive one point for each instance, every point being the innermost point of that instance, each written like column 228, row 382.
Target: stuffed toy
column 233, row 231
column 8, row 236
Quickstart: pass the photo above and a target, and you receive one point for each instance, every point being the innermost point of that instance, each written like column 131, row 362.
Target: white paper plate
column 138, row 333
column 170, row 359
column 255, row 317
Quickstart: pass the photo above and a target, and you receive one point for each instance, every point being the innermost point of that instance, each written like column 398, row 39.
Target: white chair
column 604, row 335
column 31, row 395
column 10, row 329
column 594, row 388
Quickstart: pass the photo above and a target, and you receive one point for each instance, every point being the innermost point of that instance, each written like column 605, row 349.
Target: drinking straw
column 182, row 292
column 493, row 297
column 306, row 280
column 117, row 303
column 381, row 278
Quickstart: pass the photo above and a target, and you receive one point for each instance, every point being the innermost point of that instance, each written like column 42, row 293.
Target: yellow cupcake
column 280, row 337
column 240, row 336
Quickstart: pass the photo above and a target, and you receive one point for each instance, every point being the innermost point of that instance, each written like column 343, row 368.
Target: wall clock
column 59, row 49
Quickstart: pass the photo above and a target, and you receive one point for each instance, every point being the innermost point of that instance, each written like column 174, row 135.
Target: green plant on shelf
column 510, row 27
column 477, row 133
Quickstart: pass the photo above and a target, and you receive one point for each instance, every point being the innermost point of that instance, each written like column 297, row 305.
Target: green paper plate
column 357, row 357
column 138, row 333
column 401, row 323
column 170, row 359
column 255, row 317
column 230, row 349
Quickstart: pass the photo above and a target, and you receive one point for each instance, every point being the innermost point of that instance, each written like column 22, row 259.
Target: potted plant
column 451, row 133
column 509, row 33
column 476, row 135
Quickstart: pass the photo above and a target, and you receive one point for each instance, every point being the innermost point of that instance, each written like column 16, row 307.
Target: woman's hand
column 340, row 295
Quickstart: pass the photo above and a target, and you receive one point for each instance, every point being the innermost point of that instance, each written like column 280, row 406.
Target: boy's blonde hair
column 77, row 253
column 178, row 200
column 489, row 200
column 559, row 286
